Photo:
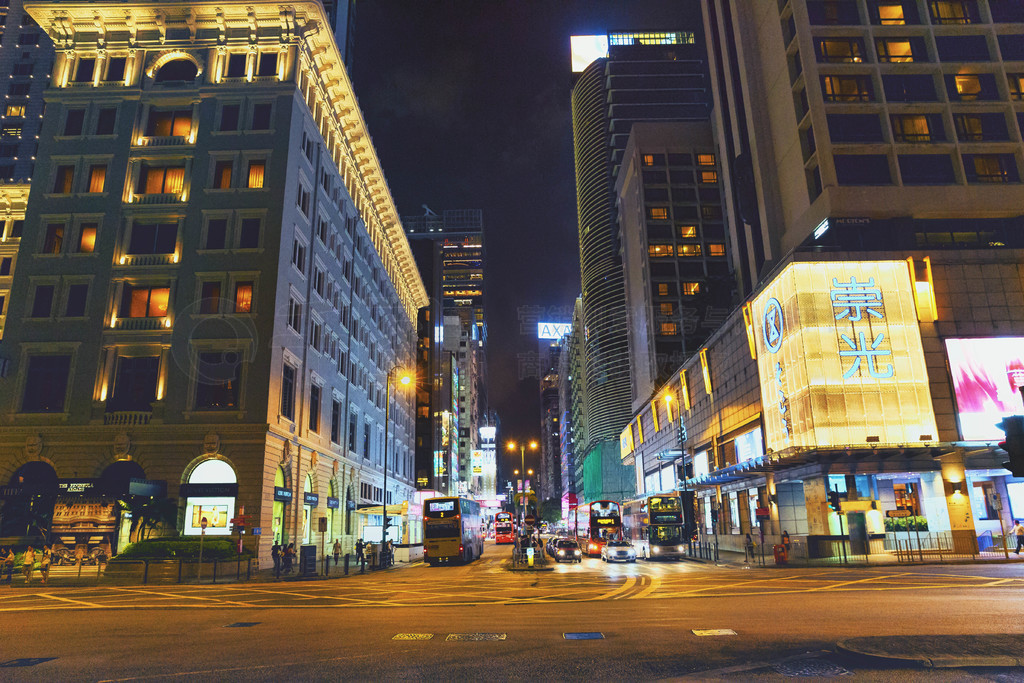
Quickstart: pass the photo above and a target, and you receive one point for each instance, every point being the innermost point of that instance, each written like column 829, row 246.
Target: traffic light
column 833, row 501
column 1013, row 427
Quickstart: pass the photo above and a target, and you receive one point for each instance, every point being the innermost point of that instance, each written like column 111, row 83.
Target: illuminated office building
column 619, row 79
column 26, row 58
column 212, row 283
column 871, row 152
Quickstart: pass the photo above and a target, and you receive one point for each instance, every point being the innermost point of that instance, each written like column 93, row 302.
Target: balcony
column 141, row 323
column 127, row 418
column 157, row 198
column 163, row 141
column 149, row 260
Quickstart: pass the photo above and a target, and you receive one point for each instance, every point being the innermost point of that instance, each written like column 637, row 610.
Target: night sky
column 468, row 105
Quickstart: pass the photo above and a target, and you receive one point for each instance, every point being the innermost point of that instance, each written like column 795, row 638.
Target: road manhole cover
column 801, row 668
column 475, row 636
column 413, row 636
column 242, row 624
column 584, row 635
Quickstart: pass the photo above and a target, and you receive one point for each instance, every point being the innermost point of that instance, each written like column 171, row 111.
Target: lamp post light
column 405, row 379
column 522, row 461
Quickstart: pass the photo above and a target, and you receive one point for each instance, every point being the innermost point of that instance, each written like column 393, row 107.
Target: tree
column 148, row 514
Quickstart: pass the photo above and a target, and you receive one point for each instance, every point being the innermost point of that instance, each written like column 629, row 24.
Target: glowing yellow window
column 659, row 250
column 256, row 171
column 648, row 160
column 716, row 250
column 669, row 329
column 691, row 288
column 662, row 289
column 689, row 250
column 709, row 176
column 657, row 213
column 891, row 15
column 87, row 239
column 1016, row 86
column 895, row 51
column 97, row 178
column 15, row 110
column 687, row 230
column 705, row 159
column 968, row 87
column 665, row 309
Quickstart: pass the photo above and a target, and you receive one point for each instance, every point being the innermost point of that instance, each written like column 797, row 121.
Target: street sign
column 898, row 513
column 995, row 501
column 530, row 519
column 257, row 531
column 323, row 524
column 203, row 523
column 241, row 519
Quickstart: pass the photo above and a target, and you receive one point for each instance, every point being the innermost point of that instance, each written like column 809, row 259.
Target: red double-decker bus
column 504, row 528
column 596, row 524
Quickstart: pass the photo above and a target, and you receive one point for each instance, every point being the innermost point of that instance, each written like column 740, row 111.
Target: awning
column 743, row 470
column 393, row 510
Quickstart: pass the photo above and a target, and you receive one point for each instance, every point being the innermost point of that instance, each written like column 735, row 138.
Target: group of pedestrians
column 28, row 563
column 284, row 558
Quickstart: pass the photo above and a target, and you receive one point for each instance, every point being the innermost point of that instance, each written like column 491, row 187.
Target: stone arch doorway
column 28, row 511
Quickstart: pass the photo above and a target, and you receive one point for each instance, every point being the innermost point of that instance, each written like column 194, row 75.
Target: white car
column 618, row 550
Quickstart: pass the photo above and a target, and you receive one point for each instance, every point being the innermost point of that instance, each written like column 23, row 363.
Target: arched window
column 212, row 488
column 177, row 70
column 307, row 512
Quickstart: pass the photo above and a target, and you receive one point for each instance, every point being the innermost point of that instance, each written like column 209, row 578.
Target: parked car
column 566, row 549
column 618, row 550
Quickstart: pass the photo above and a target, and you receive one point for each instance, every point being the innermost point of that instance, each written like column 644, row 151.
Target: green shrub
column 918, row 523
column 185, row 548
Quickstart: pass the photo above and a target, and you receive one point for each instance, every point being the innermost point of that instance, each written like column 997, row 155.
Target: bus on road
column 504, row 528
column 597, row 523
column 659, row 526
column 453, row 530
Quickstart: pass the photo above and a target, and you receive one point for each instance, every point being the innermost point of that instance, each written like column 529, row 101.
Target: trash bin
column 307, row 560
column 781, row 555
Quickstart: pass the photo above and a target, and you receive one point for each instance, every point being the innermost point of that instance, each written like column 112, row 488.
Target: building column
column 816, row 501
column 958, row 503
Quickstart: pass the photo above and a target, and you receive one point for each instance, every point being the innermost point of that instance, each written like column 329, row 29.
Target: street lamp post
column 522, row 463
column 405, row 380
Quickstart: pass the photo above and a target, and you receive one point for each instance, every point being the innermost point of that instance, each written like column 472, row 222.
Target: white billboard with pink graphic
column 988, row 374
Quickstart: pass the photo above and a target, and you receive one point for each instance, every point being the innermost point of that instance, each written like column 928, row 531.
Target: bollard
column 362, row 565
column 248, row 569
column 145, row 571
column 215, row 570
column 346, row 564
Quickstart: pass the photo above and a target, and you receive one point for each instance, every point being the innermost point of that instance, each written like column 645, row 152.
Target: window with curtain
column 97, row 178
column 256, row 172
column 162, row 180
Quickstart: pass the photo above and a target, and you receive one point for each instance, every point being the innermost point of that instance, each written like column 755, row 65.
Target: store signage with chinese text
column 840, row 356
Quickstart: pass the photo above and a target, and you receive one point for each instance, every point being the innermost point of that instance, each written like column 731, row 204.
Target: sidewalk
column 938, row 651
column 333, row 572
column 730, row 558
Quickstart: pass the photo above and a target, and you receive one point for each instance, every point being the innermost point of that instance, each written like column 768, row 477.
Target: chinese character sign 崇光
column 840, row 357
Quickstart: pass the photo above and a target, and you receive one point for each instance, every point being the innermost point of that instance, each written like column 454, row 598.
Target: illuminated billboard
column 840, row 358
column 585, row 49
column 553, row 330
column 987, row 378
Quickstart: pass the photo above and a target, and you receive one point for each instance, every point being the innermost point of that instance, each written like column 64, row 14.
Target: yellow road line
column 62, row 599
column 655, row 585
column 833, row 586
column 181, row 596
column 629, row 583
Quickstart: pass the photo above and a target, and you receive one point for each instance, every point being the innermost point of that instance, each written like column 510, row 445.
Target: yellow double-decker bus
column 453, row 530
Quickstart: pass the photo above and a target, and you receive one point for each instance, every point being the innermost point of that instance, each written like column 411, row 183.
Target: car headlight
column 680, row 549
column 655, row 549
column 577, row 552
column 561, row 552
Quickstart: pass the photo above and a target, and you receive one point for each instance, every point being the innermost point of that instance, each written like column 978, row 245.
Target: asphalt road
column 480, row 621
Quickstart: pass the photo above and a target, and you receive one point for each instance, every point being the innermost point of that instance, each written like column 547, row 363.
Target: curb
column 927, row 661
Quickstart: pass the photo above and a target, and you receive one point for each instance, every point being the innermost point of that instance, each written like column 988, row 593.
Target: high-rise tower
column 623, row 79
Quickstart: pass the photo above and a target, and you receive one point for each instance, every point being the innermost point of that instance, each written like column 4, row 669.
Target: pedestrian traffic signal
column 1013, row 427
column 833, row 501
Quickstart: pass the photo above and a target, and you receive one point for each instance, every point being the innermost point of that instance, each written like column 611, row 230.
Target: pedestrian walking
column 360, row 548
column 289, row 557
column 1018, row 531
column 28, row 564
column 748, row 548
column 7, row 563
column 44, row 563
column 337, row 552
column 275, row 554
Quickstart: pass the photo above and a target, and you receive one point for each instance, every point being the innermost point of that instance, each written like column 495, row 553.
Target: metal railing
column 153, row 572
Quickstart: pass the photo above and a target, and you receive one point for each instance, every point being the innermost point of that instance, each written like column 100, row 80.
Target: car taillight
column 460, row 548
column 424, row 552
